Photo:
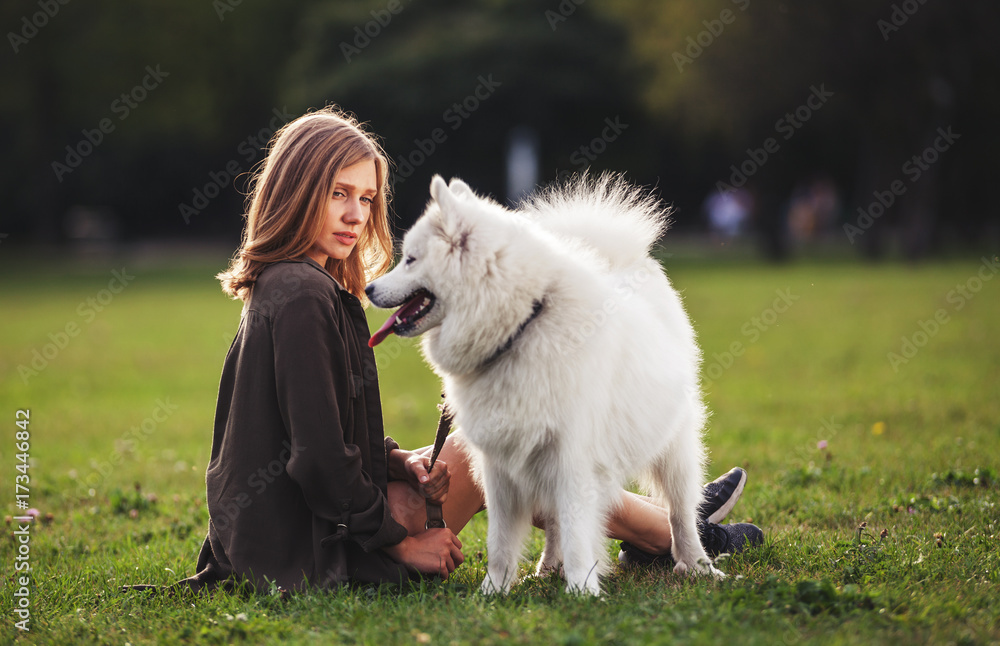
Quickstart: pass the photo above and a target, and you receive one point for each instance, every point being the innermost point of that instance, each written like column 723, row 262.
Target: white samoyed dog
column 568, row 363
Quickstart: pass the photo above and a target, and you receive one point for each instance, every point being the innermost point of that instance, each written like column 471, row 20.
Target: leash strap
column 435, row 516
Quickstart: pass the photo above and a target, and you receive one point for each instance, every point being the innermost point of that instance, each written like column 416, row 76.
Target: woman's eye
column 367, row 200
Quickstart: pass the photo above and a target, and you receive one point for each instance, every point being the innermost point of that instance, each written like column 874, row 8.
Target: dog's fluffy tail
column 618, row 219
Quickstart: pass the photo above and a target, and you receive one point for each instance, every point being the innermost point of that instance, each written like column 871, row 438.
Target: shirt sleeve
column 390, row 446
column 313, row 384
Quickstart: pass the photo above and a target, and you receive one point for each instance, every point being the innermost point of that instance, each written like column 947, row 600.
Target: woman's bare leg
column 637, row 520
column 409, row 508
column 642, row 523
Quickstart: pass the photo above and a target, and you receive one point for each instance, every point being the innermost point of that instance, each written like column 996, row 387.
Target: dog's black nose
column 369, row 290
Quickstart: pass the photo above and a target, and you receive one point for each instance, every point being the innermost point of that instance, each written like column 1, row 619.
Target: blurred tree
column 409, row 69
column 731, row 69
column 473, row 71
column 684, row 95
column 87, row 63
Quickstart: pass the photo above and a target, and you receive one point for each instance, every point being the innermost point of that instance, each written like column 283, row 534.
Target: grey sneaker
column 721, row 494
column 719, row 498
column 716, row 539
column 729, row 539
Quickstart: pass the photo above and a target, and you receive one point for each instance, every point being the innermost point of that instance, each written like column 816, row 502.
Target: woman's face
column 354, row 191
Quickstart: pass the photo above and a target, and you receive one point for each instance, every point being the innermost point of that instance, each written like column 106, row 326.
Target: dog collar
column 536, row 309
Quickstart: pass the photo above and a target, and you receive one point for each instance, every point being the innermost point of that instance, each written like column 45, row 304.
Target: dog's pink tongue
column 406, row 309
column 385, row 330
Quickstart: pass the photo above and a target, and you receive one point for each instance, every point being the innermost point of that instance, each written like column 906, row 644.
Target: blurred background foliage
column 678, row 95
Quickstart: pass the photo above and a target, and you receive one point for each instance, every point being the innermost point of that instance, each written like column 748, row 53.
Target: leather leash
column 435, row 516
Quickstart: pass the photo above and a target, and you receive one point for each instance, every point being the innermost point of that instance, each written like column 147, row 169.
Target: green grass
column 911, row 452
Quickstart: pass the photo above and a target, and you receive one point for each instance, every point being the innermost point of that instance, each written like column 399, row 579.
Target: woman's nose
column 354, row 213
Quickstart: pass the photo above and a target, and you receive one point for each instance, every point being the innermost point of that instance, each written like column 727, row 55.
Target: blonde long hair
column 289, row 197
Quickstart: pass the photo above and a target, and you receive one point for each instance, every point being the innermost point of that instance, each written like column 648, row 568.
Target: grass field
column 862, row 399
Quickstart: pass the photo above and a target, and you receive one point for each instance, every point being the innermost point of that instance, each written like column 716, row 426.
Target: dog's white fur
column 600, row 387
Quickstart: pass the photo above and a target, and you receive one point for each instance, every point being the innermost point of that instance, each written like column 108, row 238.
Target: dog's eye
column 409, row 260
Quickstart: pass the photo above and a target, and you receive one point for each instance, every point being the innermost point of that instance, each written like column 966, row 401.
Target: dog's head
column 463, row 261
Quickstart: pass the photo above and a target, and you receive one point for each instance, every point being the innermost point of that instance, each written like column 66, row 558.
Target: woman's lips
column 346, row 238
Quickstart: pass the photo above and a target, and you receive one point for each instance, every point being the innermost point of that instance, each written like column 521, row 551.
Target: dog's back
column 637, row 327
column 607, row 214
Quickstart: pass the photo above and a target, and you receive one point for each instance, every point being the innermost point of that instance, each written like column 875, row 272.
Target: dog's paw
column 487, row 588
column 491, row 587
column 701, row 567
column 591, row 587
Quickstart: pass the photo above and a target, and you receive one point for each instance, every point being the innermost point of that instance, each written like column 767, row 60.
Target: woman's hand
column 433, row 485
column 412, row 467
column 435, row 551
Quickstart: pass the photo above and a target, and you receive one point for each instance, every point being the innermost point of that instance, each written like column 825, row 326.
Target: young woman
column 303, row 487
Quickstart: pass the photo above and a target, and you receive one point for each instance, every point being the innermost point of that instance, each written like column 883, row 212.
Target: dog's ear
column 438, row 188
column 460, row 188
column 446, row 200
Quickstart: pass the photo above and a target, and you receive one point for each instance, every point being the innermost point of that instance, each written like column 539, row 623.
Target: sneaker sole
column 724, row 510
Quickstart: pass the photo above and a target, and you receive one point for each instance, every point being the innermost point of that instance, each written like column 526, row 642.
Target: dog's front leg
column 581, row 527
column 510, row 520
